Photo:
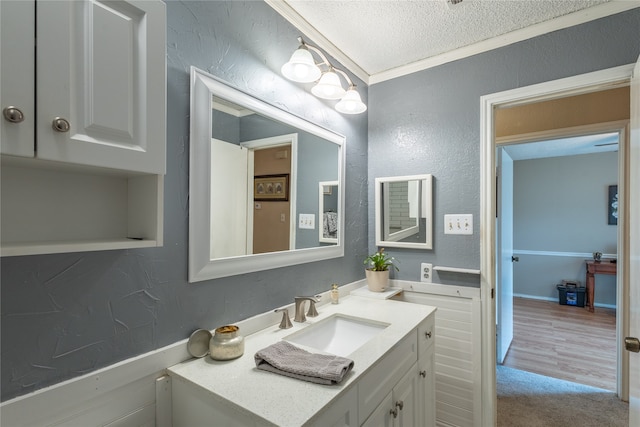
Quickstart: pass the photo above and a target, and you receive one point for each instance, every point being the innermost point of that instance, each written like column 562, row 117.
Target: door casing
column 575, row 85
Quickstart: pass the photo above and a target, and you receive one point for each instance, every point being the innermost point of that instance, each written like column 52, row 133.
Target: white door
column 634, row 247
column 17, row 77
column 101, row 70
column 504, row 248
column 228, row 188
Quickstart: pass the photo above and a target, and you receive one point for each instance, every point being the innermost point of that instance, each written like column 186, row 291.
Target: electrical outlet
column 458, row 224
column 426, row 271
column 307, row 221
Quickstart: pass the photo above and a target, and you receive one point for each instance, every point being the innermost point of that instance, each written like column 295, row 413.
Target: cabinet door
column 382, row 416
column 343, row 412
column 405, row 399
column 101, row 69
column 17, row 75
column 427, row 390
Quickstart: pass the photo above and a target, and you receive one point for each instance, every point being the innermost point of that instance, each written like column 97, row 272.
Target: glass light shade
column 351, row 103
column 328, row 87
column 301, row 67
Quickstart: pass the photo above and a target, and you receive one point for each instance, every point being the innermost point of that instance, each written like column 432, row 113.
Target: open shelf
column 55, row 209
column 457, row 270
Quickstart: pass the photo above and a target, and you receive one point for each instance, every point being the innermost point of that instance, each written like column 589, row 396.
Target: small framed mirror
column 328, row 208
column 404, row 211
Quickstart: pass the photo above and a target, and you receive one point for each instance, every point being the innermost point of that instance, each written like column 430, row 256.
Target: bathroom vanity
column 392, row 382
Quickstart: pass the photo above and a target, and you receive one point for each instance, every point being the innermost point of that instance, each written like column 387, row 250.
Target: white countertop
column 285, row 401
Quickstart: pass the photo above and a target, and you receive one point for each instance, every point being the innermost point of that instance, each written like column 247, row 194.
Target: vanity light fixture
column 302, row 68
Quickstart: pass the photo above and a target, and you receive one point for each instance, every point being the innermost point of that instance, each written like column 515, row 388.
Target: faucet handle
column 312, row 312
column 285, row 323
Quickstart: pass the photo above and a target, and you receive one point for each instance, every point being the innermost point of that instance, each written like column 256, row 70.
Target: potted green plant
column 377, row 272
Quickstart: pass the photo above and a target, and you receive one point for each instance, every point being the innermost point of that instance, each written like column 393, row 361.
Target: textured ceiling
column 382, row 35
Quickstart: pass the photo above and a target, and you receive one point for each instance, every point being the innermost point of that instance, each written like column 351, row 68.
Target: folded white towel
column 286, row 359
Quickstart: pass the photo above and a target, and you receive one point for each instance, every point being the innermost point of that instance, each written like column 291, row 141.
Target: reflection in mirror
column 328, row 203
column 254, row 169
column 404, row 212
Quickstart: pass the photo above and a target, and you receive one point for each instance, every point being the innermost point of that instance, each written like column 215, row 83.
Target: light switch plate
column 458, row 224
column 307, row 221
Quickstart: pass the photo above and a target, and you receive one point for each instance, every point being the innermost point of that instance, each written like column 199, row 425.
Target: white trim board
column 561, row 254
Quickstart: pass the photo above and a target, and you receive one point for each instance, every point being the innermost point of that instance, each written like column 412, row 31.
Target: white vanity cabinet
column 411, row 401
column 83, row 132
column 399, row 408
column 387, row 386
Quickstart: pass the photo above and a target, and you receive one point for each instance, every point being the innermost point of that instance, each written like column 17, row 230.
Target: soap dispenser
column 335, row 294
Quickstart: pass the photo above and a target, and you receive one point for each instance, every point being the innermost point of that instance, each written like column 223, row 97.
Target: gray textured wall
column 69, row 314
column 557, row 207
column 429, row 122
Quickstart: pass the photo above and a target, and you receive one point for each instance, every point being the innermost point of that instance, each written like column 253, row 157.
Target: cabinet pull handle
column 427, row 334
column 394, row 412
column 400, row 404
column 60, row 125
column 13, row 114
column 423, row 374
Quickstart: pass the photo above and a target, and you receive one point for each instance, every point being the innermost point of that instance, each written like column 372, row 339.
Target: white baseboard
column 556, row 300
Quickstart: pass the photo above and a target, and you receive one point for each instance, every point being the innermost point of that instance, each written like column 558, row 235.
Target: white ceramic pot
column 377, row 281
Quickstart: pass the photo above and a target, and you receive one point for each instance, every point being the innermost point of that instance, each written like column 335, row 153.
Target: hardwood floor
column 565, row 342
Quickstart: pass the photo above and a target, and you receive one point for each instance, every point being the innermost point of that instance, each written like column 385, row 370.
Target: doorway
column 559, row 220
column 591, row 82
column 271, row 216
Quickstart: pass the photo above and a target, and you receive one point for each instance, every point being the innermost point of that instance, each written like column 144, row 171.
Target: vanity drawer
column 380, row 380
column 426, row 334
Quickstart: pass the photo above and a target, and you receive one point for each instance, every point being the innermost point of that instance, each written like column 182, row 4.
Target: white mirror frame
column 201, row 267
column 321, row 237
column 380, row 212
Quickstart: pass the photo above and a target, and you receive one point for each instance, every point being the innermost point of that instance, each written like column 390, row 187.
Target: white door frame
column 290, row 139
column 584, row 83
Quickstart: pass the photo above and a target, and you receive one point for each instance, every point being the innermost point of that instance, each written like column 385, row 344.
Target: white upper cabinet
column 17, row 77
column 100, row 80
column 83, row 95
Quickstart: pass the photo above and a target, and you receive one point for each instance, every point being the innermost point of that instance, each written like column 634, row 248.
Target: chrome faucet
column 299, row 303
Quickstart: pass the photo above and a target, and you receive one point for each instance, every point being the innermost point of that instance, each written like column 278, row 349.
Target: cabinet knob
column 60, row 125
column 423, row 374
column 394, row 412
column 427, row 334
column 400, row 404
column 13, row 114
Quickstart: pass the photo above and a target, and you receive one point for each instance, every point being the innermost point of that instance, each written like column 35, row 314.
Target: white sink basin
column 338, row 334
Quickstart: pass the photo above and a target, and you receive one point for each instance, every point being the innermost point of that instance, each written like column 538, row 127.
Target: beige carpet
column 526, row 399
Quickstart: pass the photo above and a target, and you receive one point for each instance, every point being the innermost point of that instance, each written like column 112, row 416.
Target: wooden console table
column 606, row 266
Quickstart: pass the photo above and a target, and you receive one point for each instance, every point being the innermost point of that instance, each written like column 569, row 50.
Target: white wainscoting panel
column 457, row 351
column 134, row 392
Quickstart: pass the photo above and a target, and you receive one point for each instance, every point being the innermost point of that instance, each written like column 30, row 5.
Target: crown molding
column 566, row 21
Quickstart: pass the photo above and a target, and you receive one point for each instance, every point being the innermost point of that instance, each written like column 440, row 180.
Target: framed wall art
column 274, row 188
column 612, row 203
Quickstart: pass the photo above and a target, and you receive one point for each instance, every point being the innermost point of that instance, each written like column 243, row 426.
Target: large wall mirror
column 404, row 217
column 254, row 176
